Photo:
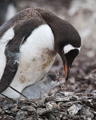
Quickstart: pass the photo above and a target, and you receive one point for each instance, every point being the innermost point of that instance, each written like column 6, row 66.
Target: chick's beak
column 67, row 71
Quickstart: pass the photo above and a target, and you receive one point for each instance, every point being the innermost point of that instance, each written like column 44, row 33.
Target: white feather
column 69, row 47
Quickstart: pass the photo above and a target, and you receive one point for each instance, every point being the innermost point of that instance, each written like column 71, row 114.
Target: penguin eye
column 69, row 48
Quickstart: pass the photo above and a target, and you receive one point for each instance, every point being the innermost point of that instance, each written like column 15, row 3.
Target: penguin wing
column 11, row 53
column 9, row 71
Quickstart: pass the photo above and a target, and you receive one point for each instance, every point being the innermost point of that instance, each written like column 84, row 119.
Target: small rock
column 75, row 98
column 42, row 111
column 40, row 102
column 73, row 110
column 7, row 105
column 28, row 108
column 63, row 106
column 57, row 118
column 20, row 115
column 55, row 106
column 86, row 111
column 68, row 93
column 29, row 118
column 51, row 117
column 6, row 117
column 9, row 112
column 50, row 98
column 64, row 99
column 79, row 106
column 14, row 109
column 94, row 92
column 51, row 106
column 40, row 119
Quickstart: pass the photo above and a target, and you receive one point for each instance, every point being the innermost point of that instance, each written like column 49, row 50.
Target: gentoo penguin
column 29, row 43
column 7, row 10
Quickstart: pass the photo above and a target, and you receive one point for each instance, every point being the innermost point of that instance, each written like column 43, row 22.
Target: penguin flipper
column 9, row 71
column 12, row 60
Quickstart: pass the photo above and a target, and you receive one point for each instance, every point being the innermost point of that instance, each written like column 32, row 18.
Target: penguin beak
column 66, row 66
column 67, row 71
column 68, row 59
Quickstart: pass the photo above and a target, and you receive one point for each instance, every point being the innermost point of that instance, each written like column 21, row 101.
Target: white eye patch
column 69, row 47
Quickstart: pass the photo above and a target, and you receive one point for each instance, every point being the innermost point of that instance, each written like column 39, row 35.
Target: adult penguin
column 29, row 43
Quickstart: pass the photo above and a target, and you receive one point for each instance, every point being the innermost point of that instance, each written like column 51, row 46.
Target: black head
column 67, row 39
column 68, row 46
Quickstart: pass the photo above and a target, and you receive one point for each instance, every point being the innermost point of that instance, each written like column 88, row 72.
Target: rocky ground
column 71, row 100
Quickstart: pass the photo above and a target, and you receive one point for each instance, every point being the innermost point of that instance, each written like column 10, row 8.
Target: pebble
column 29, row 118
column 14, row 109
column 20, row 115
column 50, row 98
column 73, row 110
column 51, row 106
column 68, row 93
column 87, row 112
column 64, row 99
column 40, row 102
column 52, row 117
column 7, row 105
column 28, row 108
column 42, row 111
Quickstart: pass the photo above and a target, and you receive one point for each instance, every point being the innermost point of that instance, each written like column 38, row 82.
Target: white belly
column 36, row 58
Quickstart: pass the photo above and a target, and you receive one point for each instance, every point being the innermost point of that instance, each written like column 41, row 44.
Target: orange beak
column 66, row 72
